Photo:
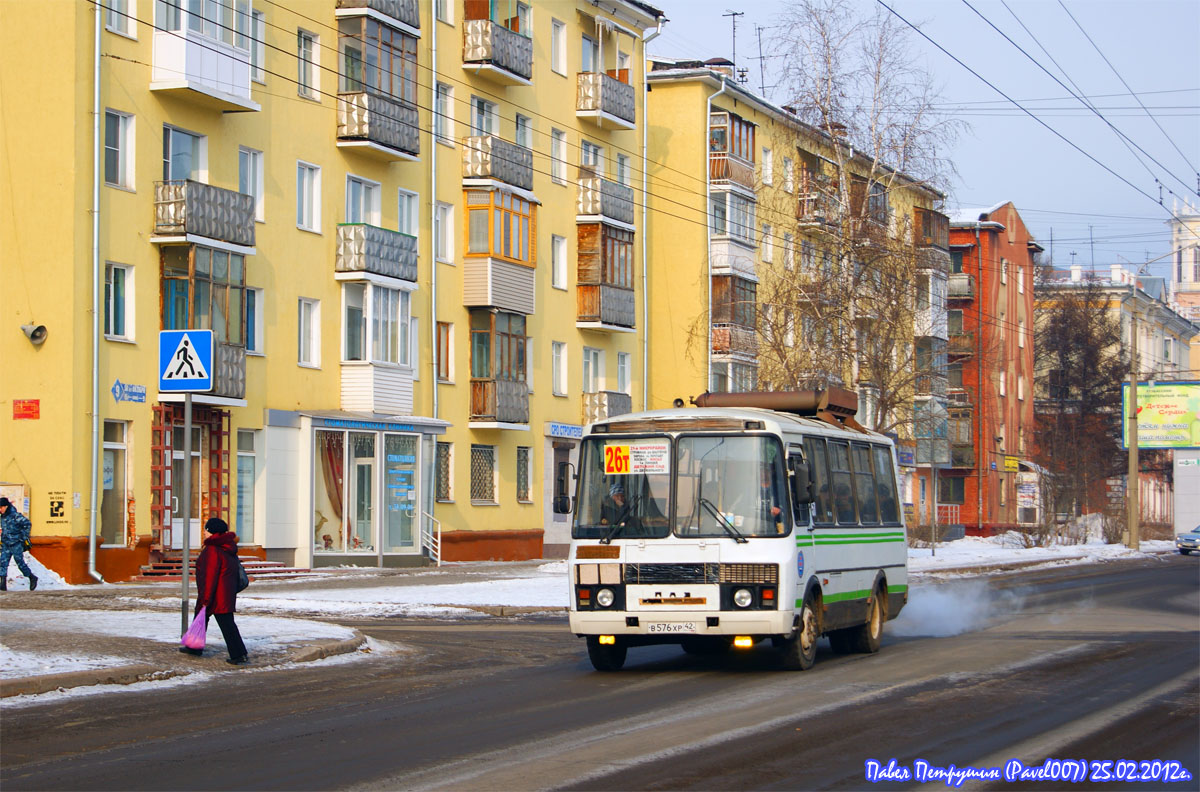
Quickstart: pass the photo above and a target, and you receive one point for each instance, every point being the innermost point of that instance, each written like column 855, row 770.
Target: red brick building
column 990, row 479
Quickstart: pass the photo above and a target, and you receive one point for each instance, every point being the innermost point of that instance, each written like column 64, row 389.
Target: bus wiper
column 619, row 522
column 724, row 523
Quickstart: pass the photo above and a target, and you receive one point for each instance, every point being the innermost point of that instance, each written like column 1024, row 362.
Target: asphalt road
column 1090, row 663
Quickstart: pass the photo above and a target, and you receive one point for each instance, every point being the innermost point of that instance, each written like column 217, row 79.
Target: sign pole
column 187, row 508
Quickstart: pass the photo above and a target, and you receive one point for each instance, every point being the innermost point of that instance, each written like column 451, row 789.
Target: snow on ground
column 1008, row 548
column 47, row 578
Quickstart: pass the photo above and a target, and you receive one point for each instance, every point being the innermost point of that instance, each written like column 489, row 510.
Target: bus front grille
column 702, row 573
column 750, row 573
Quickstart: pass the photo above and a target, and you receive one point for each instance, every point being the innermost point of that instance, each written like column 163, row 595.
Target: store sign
column 27, row 409
column 1168, row 415
column 566, row 431
column 1012, row 464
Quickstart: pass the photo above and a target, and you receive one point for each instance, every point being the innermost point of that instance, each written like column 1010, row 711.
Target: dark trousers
column 229, row 631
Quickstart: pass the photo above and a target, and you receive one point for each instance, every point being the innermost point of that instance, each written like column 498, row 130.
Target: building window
column 954, row 322
column 1003, row 383
column 182, row 152
column 1020, row 280
column 258, row 46
column 308, row 196
column 246, row 474
column 308, row 351
column 306, row 64
column 445, row 351
column 558, row 261
column 443, row 230
column 591, row 157
column 624, row 381
column 444, row 118
column 558, row 364
column 204, row 288
column 250, row 177
column 445, row 11
column 114, row 505
column 558, row 47
column 951, row 490
column 593, row 369
column 483, row 117
column 483, row 474
column 377, row 59
column 734, row 301
column 1021, row 387
column 443, row 490
column 623, row 170
column 589, row 55
column 729, row 377
column 1021, row 333
column 376, row 324
column 789, row 252
column 362, row 201
column 501, row 225
column 117, row 294
column 118, row 149
column 524, row 133
column 729, row 134
column 789, row 175
column 524, row 460
column 558, row 156
column 1004, row 270
column 616, row 259
column 733, row 214
column 768, row 243
column 768, row 166
column 498, row 346
column 254, row 320
column 118, row 19
column 407, row 213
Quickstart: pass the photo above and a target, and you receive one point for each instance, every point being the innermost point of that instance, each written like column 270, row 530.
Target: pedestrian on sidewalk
column 14, row 541
column 216, row 586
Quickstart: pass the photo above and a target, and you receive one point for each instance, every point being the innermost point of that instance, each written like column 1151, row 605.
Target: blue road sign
column 185, row 361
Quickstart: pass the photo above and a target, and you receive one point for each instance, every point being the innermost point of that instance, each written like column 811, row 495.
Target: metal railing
column 600, row 196
column 486, row 42
column 431, row 541
column 491, row 157
column 599, row 92
column 363, row 115
column 368, row 248
column 183, row 206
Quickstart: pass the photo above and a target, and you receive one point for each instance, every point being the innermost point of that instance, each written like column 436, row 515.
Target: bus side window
column 814, row 449
column 864, row 484
column 885, row 484
column 802, row 488
column 842, row 482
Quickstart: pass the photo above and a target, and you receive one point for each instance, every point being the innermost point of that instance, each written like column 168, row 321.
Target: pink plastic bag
column 194, row 637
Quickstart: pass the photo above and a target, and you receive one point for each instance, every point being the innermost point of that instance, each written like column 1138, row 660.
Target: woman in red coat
column 216, row 586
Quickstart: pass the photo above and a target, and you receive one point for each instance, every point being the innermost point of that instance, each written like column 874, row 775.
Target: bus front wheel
column 606, row 657
column 800, row 651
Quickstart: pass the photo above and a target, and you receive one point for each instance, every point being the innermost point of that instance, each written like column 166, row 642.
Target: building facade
column 410, row 227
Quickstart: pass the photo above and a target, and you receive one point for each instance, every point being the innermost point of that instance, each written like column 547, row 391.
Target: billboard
column 1168, row 415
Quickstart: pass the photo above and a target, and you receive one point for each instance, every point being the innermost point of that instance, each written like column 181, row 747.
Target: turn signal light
column 741, row 642
column 768, row 594
column 608, row 639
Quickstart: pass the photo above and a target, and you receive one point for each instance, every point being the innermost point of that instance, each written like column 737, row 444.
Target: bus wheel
column 865, row 637
column 606, row 657
column 800, row 651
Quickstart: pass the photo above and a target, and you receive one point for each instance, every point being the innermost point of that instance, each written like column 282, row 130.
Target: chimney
column 1076, row 272
column 722, row 65
column 1119, row 275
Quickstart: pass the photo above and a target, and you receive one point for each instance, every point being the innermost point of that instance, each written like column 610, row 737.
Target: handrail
column 429, row 541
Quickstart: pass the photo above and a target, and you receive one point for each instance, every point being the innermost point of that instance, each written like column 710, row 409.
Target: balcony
column 960, row 286
column 608, row 200
column 493, row 51
column 378, row 126
column 499, row 402
column 731, row 339
column 931, row 229
column 725, row 170
column 185, row 208
column 206, row 71
column 605, row 101
column 960, row 343
column 605, row 404
column 962, row 455
column 367, row 248
column 229, row 378
column 490, row 282
column 817, row 205
column 606, row 307
column 490, row 157
column 931, row 385
column 728, row 257
column 378, row 388
column 407, row 12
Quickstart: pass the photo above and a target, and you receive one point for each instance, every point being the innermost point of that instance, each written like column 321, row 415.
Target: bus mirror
column 562, row 489
column 562, row 504
column 802, row 491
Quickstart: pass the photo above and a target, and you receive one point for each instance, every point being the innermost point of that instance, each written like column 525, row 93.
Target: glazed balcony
column 377, row 125
column 960, row 286
column 385, row 388
column 731, row 339
column 184, row 208
column 728, row 169
column 605, row 404
column 606, row 307
column 406, row 12
column 600, row 197
column 732, row 258
column 960, row 343
column 499, row 401
column 206, row 71
column 962, row 455
column 368, row 248
column 490, row 157
column 932, row 229
column 493, row 51
column 605, row 101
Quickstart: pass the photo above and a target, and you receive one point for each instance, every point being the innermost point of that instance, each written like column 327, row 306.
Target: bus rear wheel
column 606, row 657
column 800, row 651
column 864, row 638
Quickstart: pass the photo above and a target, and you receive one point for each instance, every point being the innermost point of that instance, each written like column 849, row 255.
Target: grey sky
column 1006, row 155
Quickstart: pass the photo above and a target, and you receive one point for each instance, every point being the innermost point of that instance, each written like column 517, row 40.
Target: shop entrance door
column 362, row 499
column 185, row 519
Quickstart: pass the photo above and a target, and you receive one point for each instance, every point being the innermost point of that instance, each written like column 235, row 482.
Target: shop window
column 246, row 474
column 501, row 225
column 400, row 493
column 114, row 509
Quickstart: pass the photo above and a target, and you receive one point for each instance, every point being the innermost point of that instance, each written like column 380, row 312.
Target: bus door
column 803, row 491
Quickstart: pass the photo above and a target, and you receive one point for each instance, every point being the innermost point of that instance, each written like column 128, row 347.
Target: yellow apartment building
column 759, row 224
column 413, row 228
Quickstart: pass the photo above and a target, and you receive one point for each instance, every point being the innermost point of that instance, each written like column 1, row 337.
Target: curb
column 1009, row 566
column 322, row 649
column 117, row 675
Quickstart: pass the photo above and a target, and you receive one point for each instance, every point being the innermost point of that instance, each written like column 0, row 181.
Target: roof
column 783, row 420
column 970, row 216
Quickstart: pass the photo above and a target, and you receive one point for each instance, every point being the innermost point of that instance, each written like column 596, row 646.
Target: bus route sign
column 621, row 459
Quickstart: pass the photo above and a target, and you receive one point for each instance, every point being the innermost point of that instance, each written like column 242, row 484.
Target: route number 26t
column 616, row 460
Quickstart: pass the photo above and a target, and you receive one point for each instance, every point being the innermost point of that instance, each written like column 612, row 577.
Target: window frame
column 443, row 117
column 199, row 285
column 366, row 203
column 558, row 156
column 258, row 46
column 123, row 148
column 558, row 262
column 408, row 212
column 308, row 329
column 511, row 225
column 444, row 352
column 558, row 368
column 624, row 373
column 558, row 47
column 252, row 314
column 443, row 473
column 126, row 301
column 444, row 233
column 480, row 450
column 199, row 153
column 484, row 118
column 253, row 160
column 592, row 380
column 308, row 196
column 308, row 73
column 524, row 468
column 117, row 18
column 121, row 445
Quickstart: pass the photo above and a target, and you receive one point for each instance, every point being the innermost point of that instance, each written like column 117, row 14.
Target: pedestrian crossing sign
column 185, row 361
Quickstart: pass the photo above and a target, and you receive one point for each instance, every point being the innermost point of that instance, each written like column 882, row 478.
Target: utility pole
column 1131, row 482
column 762, row 80
column 734, row 15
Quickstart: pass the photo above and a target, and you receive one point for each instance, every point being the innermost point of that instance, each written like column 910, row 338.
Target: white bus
column 752, row 516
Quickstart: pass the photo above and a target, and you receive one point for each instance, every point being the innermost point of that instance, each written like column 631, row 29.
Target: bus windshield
column 624, row 488
column 730, row 486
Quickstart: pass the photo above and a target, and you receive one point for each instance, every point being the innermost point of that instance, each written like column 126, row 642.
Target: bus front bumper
column 673, row 626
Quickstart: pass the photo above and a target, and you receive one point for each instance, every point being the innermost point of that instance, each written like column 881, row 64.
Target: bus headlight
column 605, row 598
column 743, row 598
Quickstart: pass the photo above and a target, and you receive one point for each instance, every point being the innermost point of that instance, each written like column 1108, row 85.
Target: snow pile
column 47, row 578
column 15, row 663
column 1009, row 548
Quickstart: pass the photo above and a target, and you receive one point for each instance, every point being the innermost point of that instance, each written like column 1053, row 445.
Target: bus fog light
column 605, row 598
column 743, row 598
column 743, row 642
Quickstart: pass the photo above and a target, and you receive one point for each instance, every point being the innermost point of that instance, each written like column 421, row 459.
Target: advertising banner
column 1168, row 415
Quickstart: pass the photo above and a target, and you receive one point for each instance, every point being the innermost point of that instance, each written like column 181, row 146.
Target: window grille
column 483, row 473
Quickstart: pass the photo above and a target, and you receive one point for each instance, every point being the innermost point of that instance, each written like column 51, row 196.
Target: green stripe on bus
column 851, row 595
column 831, row 542
column 872, row 535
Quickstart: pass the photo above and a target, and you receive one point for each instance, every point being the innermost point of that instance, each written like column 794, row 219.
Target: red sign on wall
column 27, row 409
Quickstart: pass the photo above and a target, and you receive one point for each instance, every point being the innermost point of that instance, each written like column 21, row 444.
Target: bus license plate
column 671, row 627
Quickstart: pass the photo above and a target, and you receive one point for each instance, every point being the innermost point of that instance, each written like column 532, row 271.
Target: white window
column 254, row 321
column 117, row 17
column 558, row 47
column 589, row 59
column 1003, row 383
column 114, row 506
column 408, row 213
column 1004, row 270
column 1020, row 280
column 118, row 294
column 308, row 196
column 444, row 119
column 258, row 46
column 789, row 252
column 558, row 156
column 768, row 243
column 558, row 262
column 768, row 166
column 483, row 117
column 524, row 136
column 362, row 201
column 445, row 11
column 443, row 231
column 808, row 256
column 558, row 367
column 1021, row 386
column 250, row 177
column 592, row 156
column 789, row 175
column 118, row 149
column 624, row 365
column 593, row 369
column 308, row 347
column 377, row 324
column 483, row 474
column 307, row 74
column 183, row 154
column 1021, row 333
column 623, row 169
column 247, row 442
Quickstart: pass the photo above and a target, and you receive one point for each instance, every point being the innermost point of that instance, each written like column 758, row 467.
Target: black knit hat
column 4, row 502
